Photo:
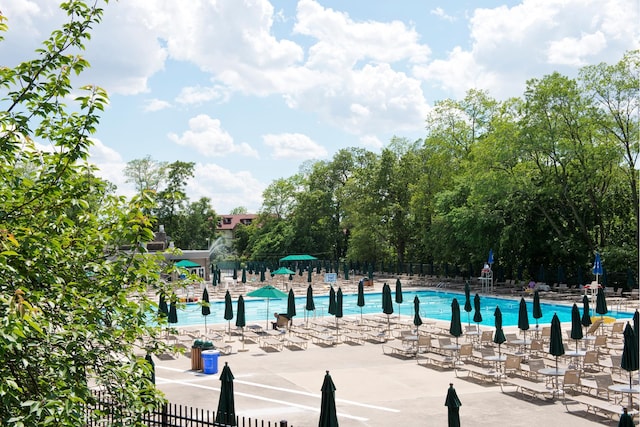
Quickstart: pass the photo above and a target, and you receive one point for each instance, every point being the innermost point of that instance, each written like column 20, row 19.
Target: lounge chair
column 295, row 341
column 271, row 343
column 399, row 350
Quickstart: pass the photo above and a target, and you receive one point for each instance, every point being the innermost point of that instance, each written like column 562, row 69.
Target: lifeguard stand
column 486, row 279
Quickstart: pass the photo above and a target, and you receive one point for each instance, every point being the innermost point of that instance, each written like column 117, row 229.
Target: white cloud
column 439, row 12
column 200, row 94
column 207, row 137
column 294, row 146
column 371, row 142
column 573, row 51
column 110, row 166
column 156, row 105
column 226, row 189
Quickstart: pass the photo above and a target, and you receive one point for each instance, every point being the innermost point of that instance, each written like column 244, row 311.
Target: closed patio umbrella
column 601, row 303
column 452, row 402
column 585, row 320
column 523, row 320
column 243, row 278
column 360, row 301
column 537, row 310
column 206, row 307
column 338, row 313
column 636, row 327
column 226, row 414
column 467, row 301
column 163, row 310
column 417, row 320
column 387, row 305
column 173, row 313
column 241, row 320
column 498, row 337
column 328, row 412
column 398, row 295
column 556, row 347
column 332, row 301
column 310, row 305
column 477, row 315
column 309, row 274
column 152, row 370
column 629, row 360
column 626, row 420
column 576, row 325
column 228, row 311
column 455, row 328
column 291, row 305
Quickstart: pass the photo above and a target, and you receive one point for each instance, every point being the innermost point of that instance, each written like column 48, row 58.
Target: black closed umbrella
column 626, row 420
column 163, row 310
column 576, row 325
column 226, row 414
column 467, row 301
column 310, row 304
column 328, row 411
column 387, row 304
column 417, row 320
column 332, row 301
column 173, row 313
column 152, row 369
column 523, row 320
column 241, row 320
column 477, row 315
column 586, row 312
column 338, row 313
column 629, row 360
column 556, row 347
column 455, row 328
column 537, row 309
column 452, row 402
column 228, row 311
column 398, row 295
column 498, row 337
column 360, row 301
column 636, row 327
column 601, row 303
column 291, row 305
column 206, row 307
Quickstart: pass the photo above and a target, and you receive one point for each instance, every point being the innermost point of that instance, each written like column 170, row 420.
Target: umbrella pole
column 267, row 313
column 361, row 315
column 389, row 326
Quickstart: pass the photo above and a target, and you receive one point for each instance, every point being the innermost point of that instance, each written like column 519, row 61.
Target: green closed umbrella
column 243, row 278
column 455, row 328
column 360, row 301
column 398, row 295
column 310, row 305
column 241, row 320
column 226, row 414
column 332, row 301
column 173, row 313
column 601, row 303
column 626, row 420
column 387, row 305
column 417, row 320
column 498, row 337
column 556, row 347
column 228, row 311
column 206, row 307
column 345, row 268
column 537, row 309
column 576, row 325
column 523, row 319
column 235, row 274
column 163, row 310
column 328, row 411
column 452, row 402
column 309, row 274
column 291, row 305
column 629, row 360
column 267, row 292
column 214, row 277
column 338, row 312
column 636, row 327
column 477, row 315
column 261, row 276
column 467, row 301
column 586, row 312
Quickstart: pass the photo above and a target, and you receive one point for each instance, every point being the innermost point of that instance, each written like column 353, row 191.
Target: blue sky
column 251, row 89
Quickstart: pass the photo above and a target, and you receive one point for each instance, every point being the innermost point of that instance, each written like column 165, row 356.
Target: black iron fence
column 107, row 412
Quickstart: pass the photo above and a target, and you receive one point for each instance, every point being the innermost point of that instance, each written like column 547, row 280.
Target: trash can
column 196, row 358
column 210, row 361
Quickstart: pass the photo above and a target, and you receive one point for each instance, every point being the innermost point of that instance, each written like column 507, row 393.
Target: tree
column 171, row 199
column 146, row 174
column 239, row 210
column 195, row 225
column 73, row 305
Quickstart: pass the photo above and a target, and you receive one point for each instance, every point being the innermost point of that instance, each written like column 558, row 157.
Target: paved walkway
column 373, row 389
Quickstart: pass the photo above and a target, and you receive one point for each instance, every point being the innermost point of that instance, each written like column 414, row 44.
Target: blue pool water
column 433, row 304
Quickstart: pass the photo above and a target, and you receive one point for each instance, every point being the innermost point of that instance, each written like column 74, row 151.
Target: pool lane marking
column 266, row 399
column 303, row 393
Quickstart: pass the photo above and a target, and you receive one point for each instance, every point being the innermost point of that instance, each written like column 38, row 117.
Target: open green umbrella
column 228, row 311
column 556, row 348
column 387, row 305
column 467, row 300
column 205, row 308
column 267, row 292
column 291, row 305
column 338, row 312
column 283, row 271
column 328, row 412
column 601, row 303
column 241, row 320
column 629, row 360
column 310, row 305
column 498, row 337
column 226, row 414
column 360, row 301
column 455, row 328
column 523, row 319
column 537, row 310
column 576, row 325
column 477, row 315
column 332, row 301
column 452, row 402
column 398, row 295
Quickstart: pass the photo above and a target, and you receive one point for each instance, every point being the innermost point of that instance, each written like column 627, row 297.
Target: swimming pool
column 433, row 304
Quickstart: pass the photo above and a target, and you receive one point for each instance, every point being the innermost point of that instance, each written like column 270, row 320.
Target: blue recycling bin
column 210, row 361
